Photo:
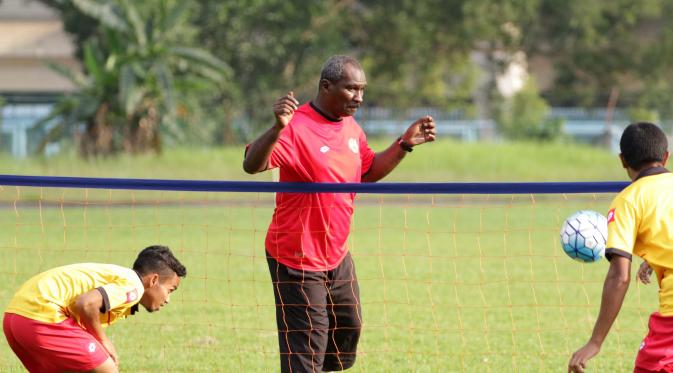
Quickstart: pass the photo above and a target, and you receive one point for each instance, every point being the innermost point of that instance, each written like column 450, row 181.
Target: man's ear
column 154, row 279
column 663, row 162
column 621, row 158
column 324, row 84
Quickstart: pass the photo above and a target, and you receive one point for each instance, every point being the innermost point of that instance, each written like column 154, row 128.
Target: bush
column 641, row 114
column 525, row 115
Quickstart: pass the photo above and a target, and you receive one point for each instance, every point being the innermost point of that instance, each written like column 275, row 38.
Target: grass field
column 444, row 161
column 448, row 283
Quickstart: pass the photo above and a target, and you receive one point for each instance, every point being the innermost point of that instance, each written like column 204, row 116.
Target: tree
column 272, row 45
column 416, row 53
column 525, row 115
column 135, row 71
column 595, row 46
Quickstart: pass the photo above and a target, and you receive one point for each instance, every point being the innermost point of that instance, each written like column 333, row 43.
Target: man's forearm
column 94, row 327
column 258, row 153
column 88, row 311
column 384, row 162
column 614, row 290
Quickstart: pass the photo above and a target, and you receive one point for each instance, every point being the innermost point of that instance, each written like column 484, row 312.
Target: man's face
column 159, row 292
column 345, row 96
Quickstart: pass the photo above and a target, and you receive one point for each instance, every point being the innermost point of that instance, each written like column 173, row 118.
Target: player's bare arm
column 614, row 289
column 419, row 132
column 257, row 156
column 88, row 306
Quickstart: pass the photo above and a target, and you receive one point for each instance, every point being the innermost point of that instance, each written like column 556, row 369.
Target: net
column 453, row 277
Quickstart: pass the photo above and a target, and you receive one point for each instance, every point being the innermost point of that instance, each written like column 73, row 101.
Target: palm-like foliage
column 134, row 71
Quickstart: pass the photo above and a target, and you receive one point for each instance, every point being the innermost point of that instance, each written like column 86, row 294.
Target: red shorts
column 656, row 350
column 44, row 347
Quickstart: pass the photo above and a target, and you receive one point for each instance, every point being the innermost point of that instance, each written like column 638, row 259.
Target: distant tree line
column 185, row 70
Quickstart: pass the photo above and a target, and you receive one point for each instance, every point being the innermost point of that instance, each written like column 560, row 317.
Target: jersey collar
column 134, row 308
column 322, row 114
column 652, row 171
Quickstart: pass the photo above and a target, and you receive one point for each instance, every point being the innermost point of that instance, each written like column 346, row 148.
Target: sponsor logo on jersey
column 132, row 296
column 611, row 216
column 353, row 145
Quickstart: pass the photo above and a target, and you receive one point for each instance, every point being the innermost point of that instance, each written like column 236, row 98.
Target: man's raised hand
column 421, row 131
column 284, row 109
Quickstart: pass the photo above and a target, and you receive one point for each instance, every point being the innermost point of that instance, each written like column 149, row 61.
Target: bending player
column 55, row 321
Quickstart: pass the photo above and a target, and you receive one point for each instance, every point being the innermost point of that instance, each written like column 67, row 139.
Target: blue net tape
column 258, row 186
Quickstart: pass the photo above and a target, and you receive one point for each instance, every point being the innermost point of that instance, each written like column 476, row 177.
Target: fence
column 465, row 277
column 19, row 136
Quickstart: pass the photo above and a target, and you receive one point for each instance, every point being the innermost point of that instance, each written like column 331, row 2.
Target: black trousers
column 318, row 316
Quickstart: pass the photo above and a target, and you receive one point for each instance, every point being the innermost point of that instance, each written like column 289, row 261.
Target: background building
column 31, row 35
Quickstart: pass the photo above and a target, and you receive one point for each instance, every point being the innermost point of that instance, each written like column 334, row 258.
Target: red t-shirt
column 309, row 230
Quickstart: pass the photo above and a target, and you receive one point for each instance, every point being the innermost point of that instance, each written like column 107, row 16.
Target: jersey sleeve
column 119, row 295
column 622, row 229
column 283, row 153
column 366, row 154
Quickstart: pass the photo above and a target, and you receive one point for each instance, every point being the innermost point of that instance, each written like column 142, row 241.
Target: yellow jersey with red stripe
column 640, row 222
column 50, row 296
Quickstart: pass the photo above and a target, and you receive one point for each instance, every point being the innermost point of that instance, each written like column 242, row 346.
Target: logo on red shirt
column 353, row 145
column 611, row 215
column 132, row 296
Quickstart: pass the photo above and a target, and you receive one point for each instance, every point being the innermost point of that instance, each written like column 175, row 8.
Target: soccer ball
column 584, row 235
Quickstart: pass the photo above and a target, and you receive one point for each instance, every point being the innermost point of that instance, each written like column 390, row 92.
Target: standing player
column 55, row 321
column 315, row 287
column 640, row 221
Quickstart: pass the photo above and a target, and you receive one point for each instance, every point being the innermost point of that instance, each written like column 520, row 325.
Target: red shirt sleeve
column 283, row 154
column 366, row 154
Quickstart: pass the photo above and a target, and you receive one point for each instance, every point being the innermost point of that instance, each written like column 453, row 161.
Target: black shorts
column 318, row 316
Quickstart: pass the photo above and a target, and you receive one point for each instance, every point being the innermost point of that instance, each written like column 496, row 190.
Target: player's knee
column 339, row 362
column 351, row 321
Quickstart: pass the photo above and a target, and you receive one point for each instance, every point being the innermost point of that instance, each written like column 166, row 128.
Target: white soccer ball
column 584, row 235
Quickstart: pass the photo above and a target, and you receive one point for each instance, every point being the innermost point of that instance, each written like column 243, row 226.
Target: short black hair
column 158, row 259
column 643, row 143
column 333, row 69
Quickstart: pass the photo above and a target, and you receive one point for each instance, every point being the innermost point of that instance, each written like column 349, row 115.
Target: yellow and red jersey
column 640, row 222
column 50, row 296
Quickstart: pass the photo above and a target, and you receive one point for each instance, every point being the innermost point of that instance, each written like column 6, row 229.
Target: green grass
column 448, row 283
column 442, row 161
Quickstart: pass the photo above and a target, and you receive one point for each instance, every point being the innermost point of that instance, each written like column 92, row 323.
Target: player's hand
column 284, row 109
column 644, row 273
column 111, row 350
column 421, row 131
column 578, row 362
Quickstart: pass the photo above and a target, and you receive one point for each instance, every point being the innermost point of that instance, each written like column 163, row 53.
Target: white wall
column 30, row 35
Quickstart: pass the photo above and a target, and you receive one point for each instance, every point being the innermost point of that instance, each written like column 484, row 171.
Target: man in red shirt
column 316, row 291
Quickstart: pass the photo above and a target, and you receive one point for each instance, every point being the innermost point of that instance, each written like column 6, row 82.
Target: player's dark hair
column 158, row 259
column 643, row 143
column 333, row 69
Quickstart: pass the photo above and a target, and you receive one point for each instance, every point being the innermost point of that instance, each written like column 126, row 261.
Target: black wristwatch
column 405, row 146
